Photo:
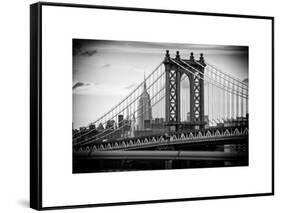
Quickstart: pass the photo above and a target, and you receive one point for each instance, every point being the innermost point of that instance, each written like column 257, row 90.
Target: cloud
column 106, row 66
column 100, row 89
column 80, row 84
column 246, row 80
column 89, row 53
column 130, row 86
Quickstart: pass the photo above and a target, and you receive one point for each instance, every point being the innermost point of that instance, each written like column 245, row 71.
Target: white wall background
column 14, row 107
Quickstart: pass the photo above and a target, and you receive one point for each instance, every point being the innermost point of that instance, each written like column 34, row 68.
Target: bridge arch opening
column 185, row 99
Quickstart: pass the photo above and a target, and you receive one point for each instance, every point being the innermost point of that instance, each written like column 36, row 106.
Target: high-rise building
column 133, row 126
column 120, row 120
column 144, row 112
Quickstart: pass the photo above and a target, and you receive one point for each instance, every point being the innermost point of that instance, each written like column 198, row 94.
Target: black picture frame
column 36, row 103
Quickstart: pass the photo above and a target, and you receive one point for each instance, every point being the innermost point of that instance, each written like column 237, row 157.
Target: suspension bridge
column 181, row 104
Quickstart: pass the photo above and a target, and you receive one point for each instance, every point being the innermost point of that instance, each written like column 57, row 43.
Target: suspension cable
column 126, row 97
column 206, row 76
column 215, row 84
column 85, row 142
column 121, row 110
column 91, row 141
column 223, row 73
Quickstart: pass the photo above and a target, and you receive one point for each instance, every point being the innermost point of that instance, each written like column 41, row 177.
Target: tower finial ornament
column 191, row 56
column 201, row 57
column 167, row 56
column 177, row 55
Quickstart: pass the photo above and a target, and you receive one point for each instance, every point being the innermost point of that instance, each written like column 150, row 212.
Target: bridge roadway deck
column 161, row 155
column 193, row 142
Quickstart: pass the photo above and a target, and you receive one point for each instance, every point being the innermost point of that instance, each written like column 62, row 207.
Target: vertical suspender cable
column 232, row 104
column 209, row 103
column 219, row 100
column 207, row 98
column 224, row 101
column 228, row 103
column 247, row 106
column 212, row 100
column 237, row 103
column 242, row 103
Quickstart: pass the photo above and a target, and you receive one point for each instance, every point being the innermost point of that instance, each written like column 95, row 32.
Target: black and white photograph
column 138, row 105
column 155, row 106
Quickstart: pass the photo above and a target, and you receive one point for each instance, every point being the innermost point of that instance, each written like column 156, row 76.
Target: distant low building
column 206, row 121
column 110, row 124
column 158, row 124
column 147, row 124
column 188, row 119
column 100, row 127
column 92, row 126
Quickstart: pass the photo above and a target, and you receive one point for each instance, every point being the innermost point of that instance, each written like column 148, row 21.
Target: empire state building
column 144, row 109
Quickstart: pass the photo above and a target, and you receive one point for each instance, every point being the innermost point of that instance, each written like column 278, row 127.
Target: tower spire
column 144, row 82
column 144, row 107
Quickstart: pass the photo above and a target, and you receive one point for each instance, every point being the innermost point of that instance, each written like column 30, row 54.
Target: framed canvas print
column 134, row 105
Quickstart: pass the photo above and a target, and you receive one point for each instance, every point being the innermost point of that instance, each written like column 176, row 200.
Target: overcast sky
column 106, row 71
